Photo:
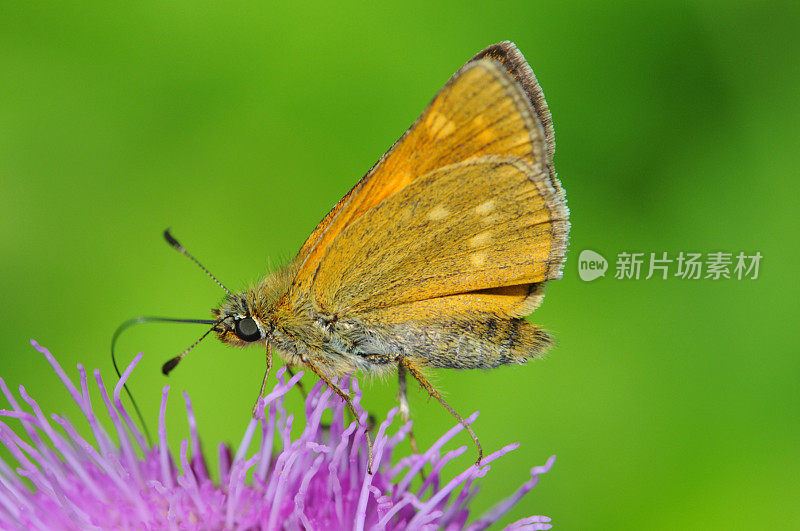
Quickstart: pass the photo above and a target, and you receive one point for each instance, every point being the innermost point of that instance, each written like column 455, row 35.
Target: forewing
column 493, row 105
column 482, row 225
column 515, row 65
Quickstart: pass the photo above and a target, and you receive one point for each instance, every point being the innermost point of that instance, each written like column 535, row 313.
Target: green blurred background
column 239, row 124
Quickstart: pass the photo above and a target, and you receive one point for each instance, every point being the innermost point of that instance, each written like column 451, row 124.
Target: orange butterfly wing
column 490, row 222
column 491, row 106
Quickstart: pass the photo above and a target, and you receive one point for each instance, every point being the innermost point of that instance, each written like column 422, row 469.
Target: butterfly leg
column 417, row 374
column 263, row 383
column 322, row 376
column 405, row 409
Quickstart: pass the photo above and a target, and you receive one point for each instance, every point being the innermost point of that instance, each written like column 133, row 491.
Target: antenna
column 178, row 247
column 171, row 364
column 139, row 320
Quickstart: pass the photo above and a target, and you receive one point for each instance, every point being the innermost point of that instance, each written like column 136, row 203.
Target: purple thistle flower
column 318, row 480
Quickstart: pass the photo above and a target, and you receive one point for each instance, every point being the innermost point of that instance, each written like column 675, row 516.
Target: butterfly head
column 238, row 322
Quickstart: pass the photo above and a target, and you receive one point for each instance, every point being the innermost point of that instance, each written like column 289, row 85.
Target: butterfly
column 435, row 256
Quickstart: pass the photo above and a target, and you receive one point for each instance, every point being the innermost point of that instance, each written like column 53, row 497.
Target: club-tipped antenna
column 180, row 248
column 139, row 320
column 172, row 363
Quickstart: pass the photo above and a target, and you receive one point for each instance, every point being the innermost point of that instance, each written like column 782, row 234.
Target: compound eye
column 247, row 330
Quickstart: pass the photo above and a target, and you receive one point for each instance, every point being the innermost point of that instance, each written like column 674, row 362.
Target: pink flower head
column 317, row 480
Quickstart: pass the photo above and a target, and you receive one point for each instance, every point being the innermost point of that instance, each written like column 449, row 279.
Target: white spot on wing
column 447, row 129
column 478, row 259
column 435, row 122
column 480, row 239
column 438, row 212
column 487, row 136
column 485, row 207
